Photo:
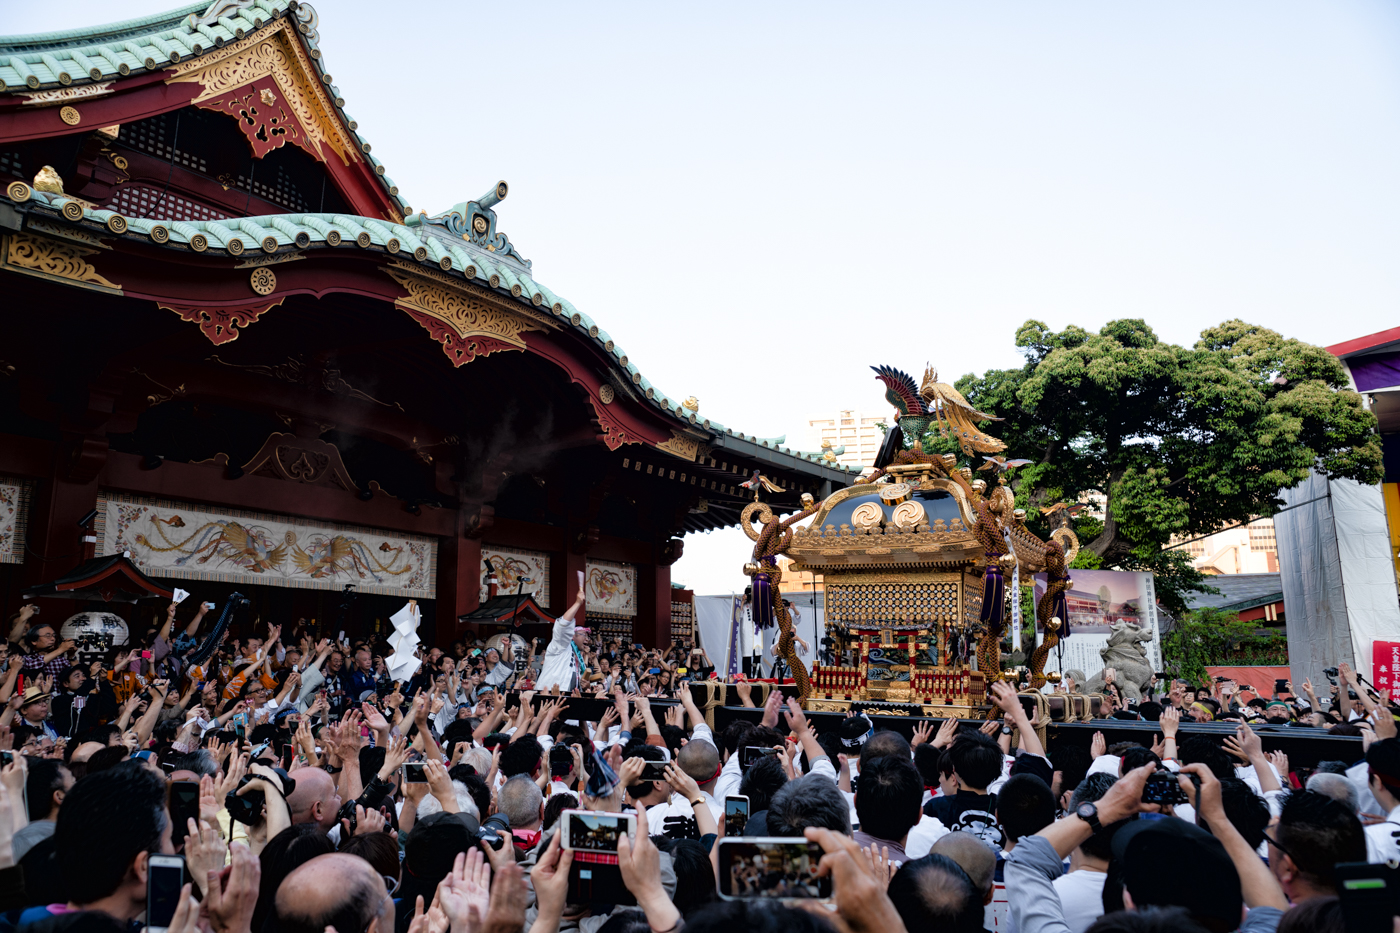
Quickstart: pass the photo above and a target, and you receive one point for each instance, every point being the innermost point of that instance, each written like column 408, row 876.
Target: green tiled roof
column 74, row 57
column 428, row 244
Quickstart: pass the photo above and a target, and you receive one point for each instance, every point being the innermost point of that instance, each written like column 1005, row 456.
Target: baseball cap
column 1173, row 863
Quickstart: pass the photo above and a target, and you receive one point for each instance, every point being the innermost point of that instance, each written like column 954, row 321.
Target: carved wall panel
column 466, row 324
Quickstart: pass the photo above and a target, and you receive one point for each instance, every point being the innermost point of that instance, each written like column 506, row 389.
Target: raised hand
column 1098, row 747
column 465, row 893
column 230, row 904
column 946, row 733
column 922, row 733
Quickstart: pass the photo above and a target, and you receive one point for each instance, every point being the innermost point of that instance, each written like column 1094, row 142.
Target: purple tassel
column 763, row 599
column 993, row 600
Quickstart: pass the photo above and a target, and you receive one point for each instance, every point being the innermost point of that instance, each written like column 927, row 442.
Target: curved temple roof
column 58, row 61
column 77, row 58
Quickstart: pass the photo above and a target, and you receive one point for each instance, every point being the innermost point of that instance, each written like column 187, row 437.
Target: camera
column 494, row 831
column 247, row 809
column 1163, row 788
column 1331, row 674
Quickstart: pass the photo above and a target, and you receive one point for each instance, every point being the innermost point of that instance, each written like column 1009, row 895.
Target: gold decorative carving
column 70, row 116
column 459, row 316
column 63, row 95
column 263, row 281
column 272, row 52
column 867, row 515
column 909, row 514
column 48, row 181
column 253, row 262
column 606, row 394
column 50, row 259
column 19, row 192
column 680, row 445
column 76, row 234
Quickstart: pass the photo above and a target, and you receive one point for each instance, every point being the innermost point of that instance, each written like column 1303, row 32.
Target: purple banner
column 1375, row 372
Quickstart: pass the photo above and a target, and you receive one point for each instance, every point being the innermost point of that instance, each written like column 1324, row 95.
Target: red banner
column 1385, row 665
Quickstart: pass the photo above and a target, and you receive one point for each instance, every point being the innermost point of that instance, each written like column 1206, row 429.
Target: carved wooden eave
column 309, row 461
column 267, row 83
column 467, row 320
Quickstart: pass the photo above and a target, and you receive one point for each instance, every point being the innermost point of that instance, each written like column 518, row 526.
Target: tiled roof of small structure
column 74, row 57
column 426, row 242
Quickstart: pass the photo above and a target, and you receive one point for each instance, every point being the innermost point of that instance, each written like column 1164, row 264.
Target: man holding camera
column 46, row 655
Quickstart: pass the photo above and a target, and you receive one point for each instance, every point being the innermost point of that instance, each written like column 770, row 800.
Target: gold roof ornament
column 48, row 180
column 691, row 404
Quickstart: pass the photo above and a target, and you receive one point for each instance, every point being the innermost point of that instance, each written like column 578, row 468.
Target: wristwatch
column 1005, row 730
column 698, row 802
column 1089, row 813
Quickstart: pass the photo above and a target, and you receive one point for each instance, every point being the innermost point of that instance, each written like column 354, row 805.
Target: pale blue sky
column 759, row 200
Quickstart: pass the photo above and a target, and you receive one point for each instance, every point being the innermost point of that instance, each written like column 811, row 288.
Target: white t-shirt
column 1081, row 896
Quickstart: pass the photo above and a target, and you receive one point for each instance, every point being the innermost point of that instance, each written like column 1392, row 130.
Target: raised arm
column 572, row 611
column 1257, row 883
column 1010, row 704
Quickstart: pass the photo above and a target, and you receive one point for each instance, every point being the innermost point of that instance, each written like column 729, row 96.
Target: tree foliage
column 1178, row 440
column 1210, row 637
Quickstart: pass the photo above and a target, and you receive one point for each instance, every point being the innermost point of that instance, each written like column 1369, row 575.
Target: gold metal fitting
column 751, row 568
column 979, row 485
column 1018, row 514
column 1054, row 624
column 1053, row 677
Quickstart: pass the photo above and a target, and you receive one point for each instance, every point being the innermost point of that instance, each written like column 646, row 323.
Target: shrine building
column 235, row 353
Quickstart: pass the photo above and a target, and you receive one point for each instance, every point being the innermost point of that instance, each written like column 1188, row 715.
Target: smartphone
column 146, row 656
column 751, row 753
column 1280, row 685
column 771, row 866
column 596, row 831
column 736, row 815
column 165, row 875
column 240, row 724
column 1370, row 895
column 184, row 805
column 654, row 770
column 208, row 605
column 415, row 772
column 293, row 720
column 364, row 731
column 7, row 758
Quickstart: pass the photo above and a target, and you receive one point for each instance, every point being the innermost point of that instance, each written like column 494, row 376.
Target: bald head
column 335, row 890
column 522, row 802
column 1335, row 786
column 86, row 750
column 973, row 855
column 314, row 799
column 700, row 760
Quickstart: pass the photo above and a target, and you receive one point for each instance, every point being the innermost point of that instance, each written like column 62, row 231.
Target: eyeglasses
column 390, row 884
column 1278, row 845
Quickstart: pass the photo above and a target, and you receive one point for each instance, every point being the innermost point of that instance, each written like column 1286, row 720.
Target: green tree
column 1211, row 637
column 1178, row 440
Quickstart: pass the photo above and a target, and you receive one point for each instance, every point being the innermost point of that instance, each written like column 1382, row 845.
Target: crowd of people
column 306, row 791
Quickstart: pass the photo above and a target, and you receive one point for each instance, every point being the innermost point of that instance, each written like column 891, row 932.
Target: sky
column 759, row 201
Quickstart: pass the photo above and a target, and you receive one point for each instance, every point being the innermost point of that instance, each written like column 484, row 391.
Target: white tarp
column 712, row 622
column 1338, row 576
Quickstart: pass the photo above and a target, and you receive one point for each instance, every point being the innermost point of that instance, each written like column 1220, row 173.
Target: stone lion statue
column 1126, row 653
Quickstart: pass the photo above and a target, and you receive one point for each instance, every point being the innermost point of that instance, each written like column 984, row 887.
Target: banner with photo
column 611, row 588
column 183, row 540
column 14, row 513
column 1098, row 601
column 514, row 564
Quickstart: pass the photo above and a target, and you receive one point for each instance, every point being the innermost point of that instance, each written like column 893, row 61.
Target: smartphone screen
column 736, row 815
column 771, row 867
column 165, row 875
column 596, row 831
column 751, row 753
column 415, row 772
column 184, row 805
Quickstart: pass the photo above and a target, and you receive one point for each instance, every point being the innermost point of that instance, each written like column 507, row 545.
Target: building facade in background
column 1246, row 549
column 857, row 431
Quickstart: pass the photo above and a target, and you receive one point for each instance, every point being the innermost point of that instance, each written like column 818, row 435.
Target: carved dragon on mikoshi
column 771, row 538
